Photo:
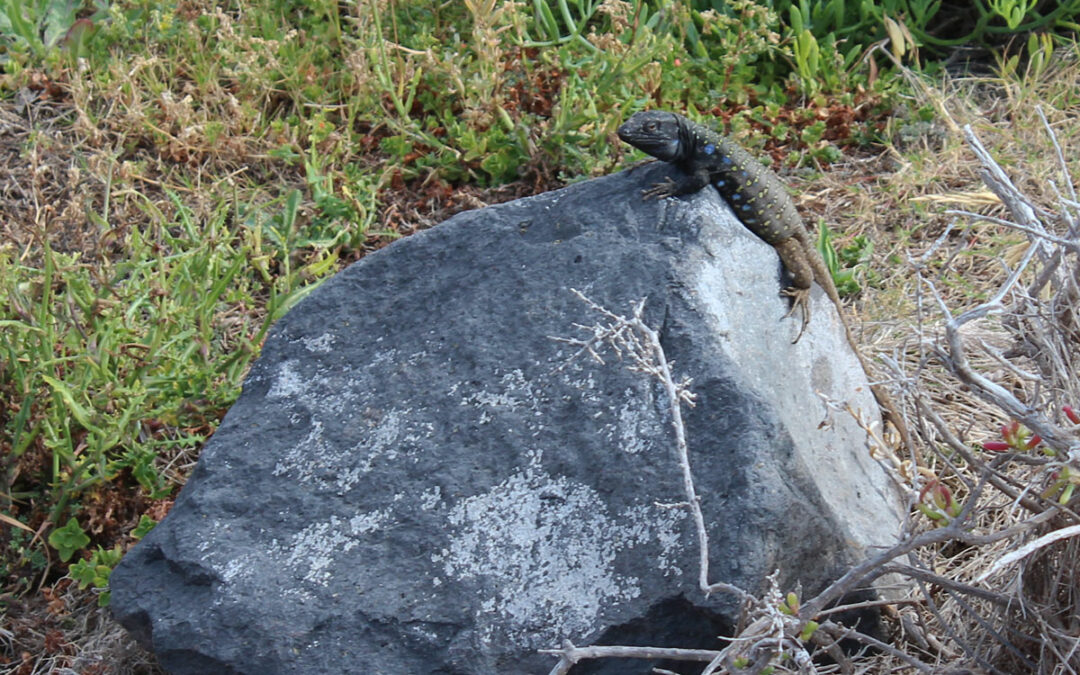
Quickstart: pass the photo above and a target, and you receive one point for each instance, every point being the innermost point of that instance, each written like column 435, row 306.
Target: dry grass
column 1030, row 623
column 58, row 190
column 63, row 631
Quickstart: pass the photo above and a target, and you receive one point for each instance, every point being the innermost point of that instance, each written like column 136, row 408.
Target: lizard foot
column 800, row 300
column 660, row 190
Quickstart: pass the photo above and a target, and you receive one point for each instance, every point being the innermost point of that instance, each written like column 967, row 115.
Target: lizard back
column 757, row 195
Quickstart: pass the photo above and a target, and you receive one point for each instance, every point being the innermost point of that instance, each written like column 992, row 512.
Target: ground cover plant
column 175, row 176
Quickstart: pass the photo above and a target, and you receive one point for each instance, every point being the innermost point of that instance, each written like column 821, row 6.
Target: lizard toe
column 660, row 190
column 800, row 300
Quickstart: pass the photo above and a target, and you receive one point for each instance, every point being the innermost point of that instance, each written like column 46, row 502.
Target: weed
column 848, row 265
column 94, row 572
column 32, row 28
column 938, row 25
column 69, row 539
column 119, row 364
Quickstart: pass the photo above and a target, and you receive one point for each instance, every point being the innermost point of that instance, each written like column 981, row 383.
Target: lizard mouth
column 661, row 148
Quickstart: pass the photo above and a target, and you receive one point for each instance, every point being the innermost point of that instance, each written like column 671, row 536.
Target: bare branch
column 1033, row 231
column 956, row 360
column 997, row 180
column 841, row 632
column 1029, row 548
column 570, row 655
column 1062, row 164
column 875, row 566
column 633, row 337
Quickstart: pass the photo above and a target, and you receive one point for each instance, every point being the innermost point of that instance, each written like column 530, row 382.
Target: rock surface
column 411, row 484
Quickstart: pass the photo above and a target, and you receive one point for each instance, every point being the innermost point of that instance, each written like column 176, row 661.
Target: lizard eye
column 651, row 126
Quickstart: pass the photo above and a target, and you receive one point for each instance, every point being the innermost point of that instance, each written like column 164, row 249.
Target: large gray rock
column 410, row 483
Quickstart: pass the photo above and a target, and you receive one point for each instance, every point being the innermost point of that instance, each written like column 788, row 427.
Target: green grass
column 112, row 365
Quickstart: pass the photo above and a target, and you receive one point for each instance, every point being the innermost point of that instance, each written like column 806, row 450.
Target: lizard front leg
column 793, row 255
column 686, row 184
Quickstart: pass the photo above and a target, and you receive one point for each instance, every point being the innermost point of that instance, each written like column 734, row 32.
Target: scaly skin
column 759, row 199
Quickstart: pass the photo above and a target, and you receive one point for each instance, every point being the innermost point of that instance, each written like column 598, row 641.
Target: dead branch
column 569, row 655
column 634, row 338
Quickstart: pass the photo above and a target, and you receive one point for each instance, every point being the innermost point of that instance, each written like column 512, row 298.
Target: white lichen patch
column 327, row 398
column 236, row 568
column 320, row 345
column 514, row 393
column 629, row 427
column 380, row 445
column 310, row 553
column 580, row 378
column 328, row 391
column 288, row 383
column 545, row 548
column 635, row 424
column 292, row 462
column 429, row 499
column 645, row 522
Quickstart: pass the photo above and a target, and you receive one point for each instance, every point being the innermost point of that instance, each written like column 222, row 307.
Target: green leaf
column 546, row 20
column 59, row 17
column 83, row 572
column 68, row 539
column 796, row 19
column 80, row 413
column 14, row 24
column 1067, row 494
column 825, row 247
column 808, row 59
column 96, row 571
column 146, row 523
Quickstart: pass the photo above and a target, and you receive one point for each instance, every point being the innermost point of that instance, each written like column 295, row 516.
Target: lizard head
column 654, row 132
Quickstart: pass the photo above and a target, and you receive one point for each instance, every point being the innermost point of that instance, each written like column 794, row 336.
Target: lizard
column 760, row 201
